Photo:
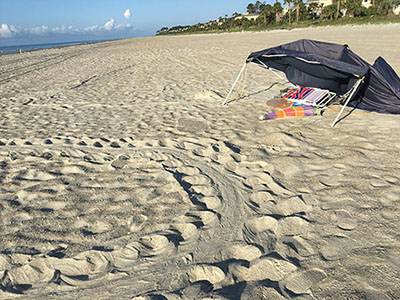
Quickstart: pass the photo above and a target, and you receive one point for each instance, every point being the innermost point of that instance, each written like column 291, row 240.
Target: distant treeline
column 260, row 15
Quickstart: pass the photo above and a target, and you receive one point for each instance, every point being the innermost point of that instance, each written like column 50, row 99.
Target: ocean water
column 16, row 48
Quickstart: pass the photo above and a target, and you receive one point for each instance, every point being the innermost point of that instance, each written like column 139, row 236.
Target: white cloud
column 7, row 31
column 109, row 28
column 127, row 14
column 91, row 28
column 61, row 29
column 40, row 30
column 122, row 26
column 109, row 25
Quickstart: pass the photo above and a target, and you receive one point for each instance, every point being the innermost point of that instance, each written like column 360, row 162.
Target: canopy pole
column 268, row 68
column 275, row 73
column 234, row 84
column 355, row 87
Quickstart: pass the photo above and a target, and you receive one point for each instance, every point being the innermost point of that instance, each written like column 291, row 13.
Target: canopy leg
column 275, row 73
column 234, row 84
column 355, row 87
column 280, row 77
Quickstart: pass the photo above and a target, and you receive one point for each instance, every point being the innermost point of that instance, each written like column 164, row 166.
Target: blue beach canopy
column 336, row 68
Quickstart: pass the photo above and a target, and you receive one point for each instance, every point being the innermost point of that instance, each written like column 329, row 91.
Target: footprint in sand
column 262, row 269
column 345, row 220
column 300, row 283
column 242, row 252
column 208, row 273
column 336, row 247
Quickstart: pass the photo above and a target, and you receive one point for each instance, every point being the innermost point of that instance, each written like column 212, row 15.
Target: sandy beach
column 123, row 177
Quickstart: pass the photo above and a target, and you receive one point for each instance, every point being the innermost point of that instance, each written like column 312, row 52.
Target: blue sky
column 45, row 21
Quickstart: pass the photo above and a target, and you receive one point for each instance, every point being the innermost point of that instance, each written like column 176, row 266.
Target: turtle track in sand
column 62, row 215
column 87, row 215
column 90, row 215
column 79, row 213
